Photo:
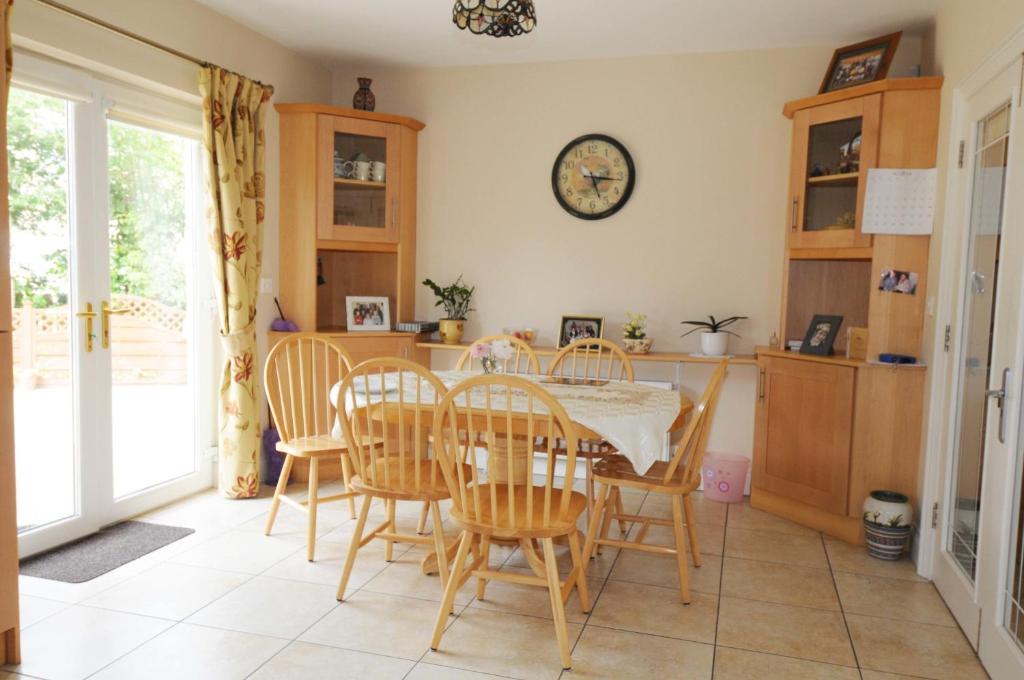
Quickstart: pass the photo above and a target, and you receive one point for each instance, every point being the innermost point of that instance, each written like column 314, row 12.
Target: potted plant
column 888, row 523
column 634, row 334
column 455, row 300
column 714, row 339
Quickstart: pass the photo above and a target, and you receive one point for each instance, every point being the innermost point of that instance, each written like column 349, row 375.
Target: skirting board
column 844, row 528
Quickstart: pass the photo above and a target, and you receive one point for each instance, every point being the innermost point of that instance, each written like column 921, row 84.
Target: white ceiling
column 421, row 33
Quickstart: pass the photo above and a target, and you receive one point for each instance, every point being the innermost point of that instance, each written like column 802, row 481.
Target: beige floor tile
column 209, row 510
column 606, row 653
column 378, row 624
column 780, row 583
column 598, row 567
column 291, row 521
column 187, row 651
column 660, row 570
column 800, row 632
column 893, row 599
column 269, row 606
column 913, row 648
column 742, row 516
column 79, row 641
column 878, row 675
column 740, row 664
column 242, row 551
column 330, row 560
column 34, row 609
column 426, row 671
column 657, row 611
column 305, row 661
column 525, row 600
column 855, row 559
column 404, row 576
column 710, row 537
column 707, row 511
column 767, row 546
column 169, row 591
column 494, row 642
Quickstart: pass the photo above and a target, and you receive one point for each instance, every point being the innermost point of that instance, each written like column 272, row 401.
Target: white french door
column 978, row 560
column 112, row 416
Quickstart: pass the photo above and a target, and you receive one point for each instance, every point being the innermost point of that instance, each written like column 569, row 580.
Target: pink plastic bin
column 725, row 476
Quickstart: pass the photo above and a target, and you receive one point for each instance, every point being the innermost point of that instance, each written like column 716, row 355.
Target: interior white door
column 982, row 466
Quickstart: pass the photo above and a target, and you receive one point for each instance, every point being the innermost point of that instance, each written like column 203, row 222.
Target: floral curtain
column 234, row 112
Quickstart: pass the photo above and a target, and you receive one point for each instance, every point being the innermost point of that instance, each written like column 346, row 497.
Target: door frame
column 96, row 100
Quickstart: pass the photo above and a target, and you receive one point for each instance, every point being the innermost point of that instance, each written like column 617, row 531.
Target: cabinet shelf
column 846, row 179
column 360, row 183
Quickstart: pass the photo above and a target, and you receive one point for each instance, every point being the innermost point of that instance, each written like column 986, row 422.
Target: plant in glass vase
column 491, row 353
column 714, row 339
column 634, row 334
column 455, row 299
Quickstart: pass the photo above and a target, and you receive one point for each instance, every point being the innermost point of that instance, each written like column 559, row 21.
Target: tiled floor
column 772, row 600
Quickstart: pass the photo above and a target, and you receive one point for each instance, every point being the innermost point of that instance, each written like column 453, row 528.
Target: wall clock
column 593, row 177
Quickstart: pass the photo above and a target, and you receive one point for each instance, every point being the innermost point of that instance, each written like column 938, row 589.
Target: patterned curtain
column 234, row 112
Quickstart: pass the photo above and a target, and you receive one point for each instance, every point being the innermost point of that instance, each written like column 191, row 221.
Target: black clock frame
column 625, row 194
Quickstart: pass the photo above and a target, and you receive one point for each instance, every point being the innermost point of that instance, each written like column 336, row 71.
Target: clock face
column 593, row 177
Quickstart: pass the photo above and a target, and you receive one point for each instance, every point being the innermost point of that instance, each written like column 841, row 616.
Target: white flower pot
column 888, row 508
column 714, row 344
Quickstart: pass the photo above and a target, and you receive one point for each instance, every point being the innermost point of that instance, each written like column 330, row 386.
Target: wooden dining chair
column 523, row 359
column 509, row 413
column 386, row 406
column 677, row 478
column 298, row 376
column 593, row 359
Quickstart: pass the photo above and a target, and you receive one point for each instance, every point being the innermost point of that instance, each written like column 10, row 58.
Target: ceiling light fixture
column 498, row 18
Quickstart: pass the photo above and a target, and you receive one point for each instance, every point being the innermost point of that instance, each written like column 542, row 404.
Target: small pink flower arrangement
column 491, row 353
column 480, row 350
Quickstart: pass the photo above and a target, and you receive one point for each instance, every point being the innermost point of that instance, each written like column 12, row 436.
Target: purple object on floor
column 272, row 460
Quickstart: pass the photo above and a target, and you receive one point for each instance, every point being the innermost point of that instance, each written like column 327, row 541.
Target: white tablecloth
column 633, row 418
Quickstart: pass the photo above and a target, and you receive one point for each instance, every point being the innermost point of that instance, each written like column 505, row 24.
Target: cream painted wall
column 703, row 233
column 193, row 29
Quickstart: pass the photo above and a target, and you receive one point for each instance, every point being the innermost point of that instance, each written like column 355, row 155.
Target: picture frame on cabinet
column 821, row 334
column 367, row 313
column 573, row 327
column 860, row 63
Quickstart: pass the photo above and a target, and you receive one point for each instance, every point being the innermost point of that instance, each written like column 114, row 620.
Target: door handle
column 106, row 312
column 760, row 384
column 977, row 283
column 1000, row 397
column 796, row 205
column 87, row 315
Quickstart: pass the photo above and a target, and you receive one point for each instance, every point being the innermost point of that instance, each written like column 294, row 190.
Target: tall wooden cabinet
column 830, row 429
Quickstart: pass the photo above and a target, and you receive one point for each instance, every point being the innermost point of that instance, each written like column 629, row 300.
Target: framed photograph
column 864, row 62
column 574, row 328
column 896, row 281
column 367, row 313
column 821, row 334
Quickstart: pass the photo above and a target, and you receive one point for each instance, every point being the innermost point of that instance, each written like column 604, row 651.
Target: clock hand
column 593, row 180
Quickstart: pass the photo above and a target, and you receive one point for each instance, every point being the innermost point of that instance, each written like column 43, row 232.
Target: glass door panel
column 45, row 353
column 833, row 167
column 360, row 180
column 148, row 327
column 1015, row 582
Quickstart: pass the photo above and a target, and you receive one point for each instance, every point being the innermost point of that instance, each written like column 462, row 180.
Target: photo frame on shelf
column 860, row 63
column 575, row 327
column 821, row 334
column 367, row 313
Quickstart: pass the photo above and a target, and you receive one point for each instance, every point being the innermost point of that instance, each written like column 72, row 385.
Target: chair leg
column 439, row 546
column 353, row 548
column 282, row 485
column 588, row 547
column 691, row 529
column 620, row 509
column 389, row 546
column 451, row 588
column 557, row 608
column 314, row 493
column 581, row 574
column 609, row 515
column 421, row 528
column 677, row 529
column 590, row 487
column 346, row 474
column 485, row 554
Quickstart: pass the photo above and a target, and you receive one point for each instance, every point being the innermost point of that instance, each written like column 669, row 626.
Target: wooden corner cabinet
column 830, row 429
column 348, row 226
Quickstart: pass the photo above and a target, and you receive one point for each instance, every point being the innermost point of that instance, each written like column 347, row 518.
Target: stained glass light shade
column 497, row 18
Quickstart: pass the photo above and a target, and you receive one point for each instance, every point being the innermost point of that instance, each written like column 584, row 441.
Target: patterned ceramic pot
column 888, row 520
column 637, row 345
column 364, row 99
column 451, row 330
column 886, row 543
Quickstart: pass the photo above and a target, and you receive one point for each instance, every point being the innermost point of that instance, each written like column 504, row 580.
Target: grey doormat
column 107, row 549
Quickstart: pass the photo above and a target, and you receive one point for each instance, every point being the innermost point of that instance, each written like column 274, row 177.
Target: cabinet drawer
column 803, row 432
column 372, row 347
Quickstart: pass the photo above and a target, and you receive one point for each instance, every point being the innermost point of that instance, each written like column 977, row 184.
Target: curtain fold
column 234, row 141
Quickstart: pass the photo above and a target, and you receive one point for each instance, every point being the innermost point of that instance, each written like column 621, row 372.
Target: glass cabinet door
column 833, row 146
column 358, row 180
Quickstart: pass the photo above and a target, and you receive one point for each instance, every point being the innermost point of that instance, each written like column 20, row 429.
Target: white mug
column 377, row 170
column 343, row 168
column 361, row 171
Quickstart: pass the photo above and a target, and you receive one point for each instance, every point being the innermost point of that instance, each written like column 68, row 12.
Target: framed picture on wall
column 864, row 62
column 573, row 328
column 367, row 313
column 821, row 334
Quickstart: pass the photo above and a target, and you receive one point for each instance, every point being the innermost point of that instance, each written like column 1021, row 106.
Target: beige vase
column 451, row 331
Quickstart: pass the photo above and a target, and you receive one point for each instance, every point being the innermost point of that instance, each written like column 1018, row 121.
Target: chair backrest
column 690, row 451
column 511, row 414
column 592, row 358
column 523, row 359
column 298, row 376
column 386, row 408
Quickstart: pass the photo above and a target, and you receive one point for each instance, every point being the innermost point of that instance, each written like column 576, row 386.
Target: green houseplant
column 455, row 299
column 714, row 338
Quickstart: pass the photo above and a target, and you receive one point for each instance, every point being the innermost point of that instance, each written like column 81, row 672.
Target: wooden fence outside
column 148, row 344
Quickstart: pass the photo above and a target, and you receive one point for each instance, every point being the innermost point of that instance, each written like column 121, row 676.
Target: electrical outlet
column 266, row 285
